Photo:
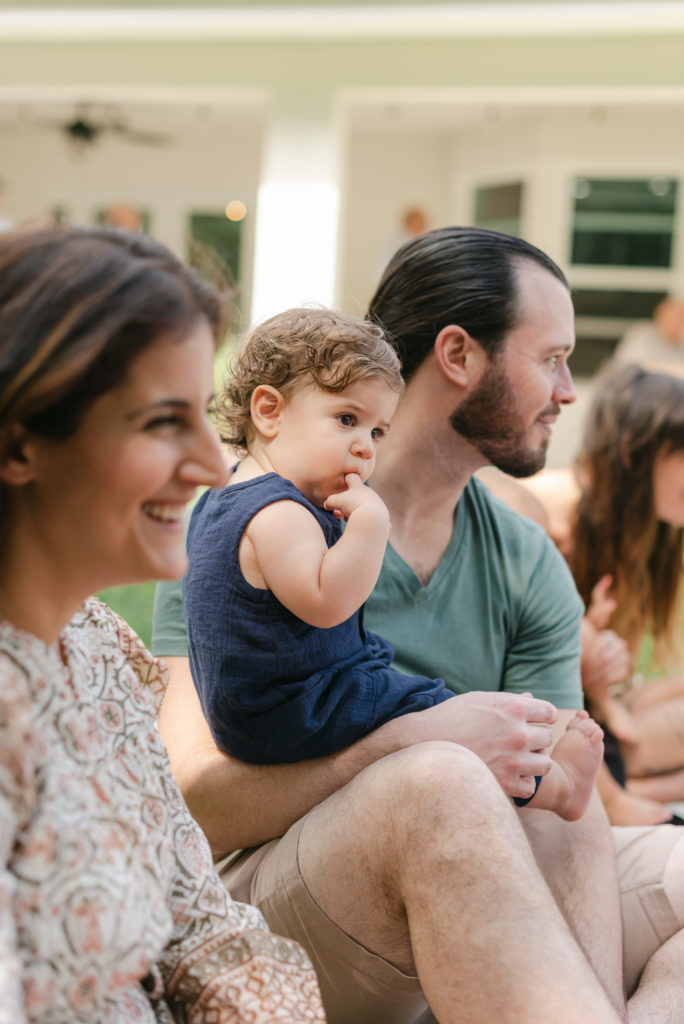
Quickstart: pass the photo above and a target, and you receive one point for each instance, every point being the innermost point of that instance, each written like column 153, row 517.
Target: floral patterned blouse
column 110, row 909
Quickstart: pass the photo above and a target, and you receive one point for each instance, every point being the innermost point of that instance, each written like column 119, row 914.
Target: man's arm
column 239, row 804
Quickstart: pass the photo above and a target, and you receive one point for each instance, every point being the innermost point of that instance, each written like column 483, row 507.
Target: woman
column 627, row 536
column 110, row 910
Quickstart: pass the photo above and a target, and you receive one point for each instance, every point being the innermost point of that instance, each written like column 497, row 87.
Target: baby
column 274, row 595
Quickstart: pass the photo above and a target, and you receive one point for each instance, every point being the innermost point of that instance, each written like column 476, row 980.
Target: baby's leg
column 576, row 759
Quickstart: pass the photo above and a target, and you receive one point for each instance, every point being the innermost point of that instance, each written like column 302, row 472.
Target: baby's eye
column 346, row 419
column 377, row 433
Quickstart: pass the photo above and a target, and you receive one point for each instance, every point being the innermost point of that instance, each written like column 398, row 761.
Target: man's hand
column 510, row 732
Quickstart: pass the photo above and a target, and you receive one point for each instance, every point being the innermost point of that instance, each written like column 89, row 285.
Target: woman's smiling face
column 108, row 504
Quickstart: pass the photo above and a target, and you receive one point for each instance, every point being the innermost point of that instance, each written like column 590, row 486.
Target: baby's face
column 323, row 436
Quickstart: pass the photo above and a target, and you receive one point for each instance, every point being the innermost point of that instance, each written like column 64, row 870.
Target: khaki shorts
column 361, row 988
column 648, row 918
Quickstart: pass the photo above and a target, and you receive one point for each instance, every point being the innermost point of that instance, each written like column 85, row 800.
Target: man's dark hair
column 455, row 275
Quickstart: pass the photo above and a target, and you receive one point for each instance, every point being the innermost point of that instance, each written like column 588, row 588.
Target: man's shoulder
column 498, row 515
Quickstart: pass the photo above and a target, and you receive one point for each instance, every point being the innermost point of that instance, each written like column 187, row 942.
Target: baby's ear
column 266, row 406
column 17, row 464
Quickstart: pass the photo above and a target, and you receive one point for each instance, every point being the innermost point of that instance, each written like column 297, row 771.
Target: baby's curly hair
column 301, row 346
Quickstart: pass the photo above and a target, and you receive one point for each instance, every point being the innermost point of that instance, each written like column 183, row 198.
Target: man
column 403, row 866
column 658, row 343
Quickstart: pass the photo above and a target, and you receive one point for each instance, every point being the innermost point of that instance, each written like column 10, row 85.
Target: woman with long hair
column 627, row 537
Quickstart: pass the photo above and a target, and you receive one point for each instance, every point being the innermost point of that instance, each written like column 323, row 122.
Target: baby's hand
column 356, row 497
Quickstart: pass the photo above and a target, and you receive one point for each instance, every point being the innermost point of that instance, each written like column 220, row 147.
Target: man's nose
column 564, row 392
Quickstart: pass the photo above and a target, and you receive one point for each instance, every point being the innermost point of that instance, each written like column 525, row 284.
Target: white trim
column 178, row 95
column 538, row 96
column 424, row 21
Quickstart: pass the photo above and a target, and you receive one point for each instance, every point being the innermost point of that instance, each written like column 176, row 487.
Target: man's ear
column 266, row 405
column 460, row 358
column 17, row 463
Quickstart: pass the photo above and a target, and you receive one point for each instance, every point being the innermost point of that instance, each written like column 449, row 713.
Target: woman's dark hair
column 455, row 275
column 635, row 417
column 77, row 306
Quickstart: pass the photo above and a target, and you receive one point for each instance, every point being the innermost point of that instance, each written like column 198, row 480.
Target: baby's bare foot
column 578, row 755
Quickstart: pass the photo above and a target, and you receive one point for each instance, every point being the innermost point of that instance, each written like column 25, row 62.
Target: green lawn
column 134, row 604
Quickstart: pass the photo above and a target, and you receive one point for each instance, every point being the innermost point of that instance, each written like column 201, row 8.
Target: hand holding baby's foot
column 578, row 755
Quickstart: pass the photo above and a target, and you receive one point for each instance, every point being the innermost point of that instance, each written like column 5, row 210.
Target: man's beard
column 490, row 420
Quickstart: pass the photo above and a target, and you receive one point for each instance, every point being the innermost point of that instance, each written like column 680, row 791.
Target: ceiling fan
column 84, row 130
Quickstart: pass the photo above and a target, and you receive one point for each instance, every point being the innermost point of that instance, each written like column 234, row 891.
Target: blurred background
column 305, row 142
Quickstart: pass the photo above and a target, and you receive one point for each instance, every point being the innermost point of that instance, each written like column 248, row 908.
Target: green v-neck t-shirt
column 500, row 612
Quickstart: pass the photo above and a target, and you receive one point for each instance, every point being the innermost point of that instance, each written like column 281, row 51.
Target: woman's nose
column 206, row 464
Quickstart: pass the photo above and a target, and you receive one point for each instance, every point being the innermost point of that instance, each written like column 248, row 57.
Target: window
column 498, row 207
column 623, row 223
column 216, row 233
column 602, row 317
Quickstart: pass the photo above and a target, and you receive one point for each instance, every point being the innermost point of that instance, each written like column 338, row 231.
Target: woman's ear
column 266, row 405
column 460, row 358
column 17, row 463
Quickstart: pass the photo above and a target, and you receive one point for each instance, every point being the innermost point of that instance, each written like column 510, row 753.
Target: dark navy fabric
column 273, row 688
column 522, row 801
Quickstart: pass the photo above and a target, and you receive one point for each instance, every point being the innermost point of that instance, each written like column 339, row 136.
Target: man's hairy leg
column 422, row 860
column 577, row 860
column 659, row 999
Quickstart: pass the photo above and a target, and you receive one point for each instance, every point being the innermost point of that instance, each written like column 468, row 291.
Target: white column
column 297, row 215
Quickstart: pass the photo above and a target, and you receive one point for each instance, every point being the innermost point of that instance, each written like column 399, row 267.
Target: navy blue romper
column 273, row 688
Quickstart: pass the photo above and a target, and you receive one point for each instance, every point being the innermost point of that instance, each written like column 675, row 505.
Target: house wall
column 540, row 109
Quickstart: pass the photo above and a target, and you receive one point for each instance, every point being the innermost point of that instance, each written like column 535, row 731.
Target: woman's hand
column 606, row 662
column 601, row 604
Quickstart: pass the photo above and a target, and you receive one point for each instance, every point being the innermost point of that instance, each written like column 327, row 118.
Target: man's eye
column 554, row 360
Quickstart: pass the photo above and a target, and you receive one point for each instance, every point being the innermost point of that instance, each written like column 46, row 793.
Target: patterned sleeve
column 16, row 799
column 234, row 970
column 222, row 962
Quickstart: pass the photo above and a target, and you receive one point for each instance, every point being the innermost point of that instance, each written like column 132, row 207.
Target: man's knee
column 430, row 779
